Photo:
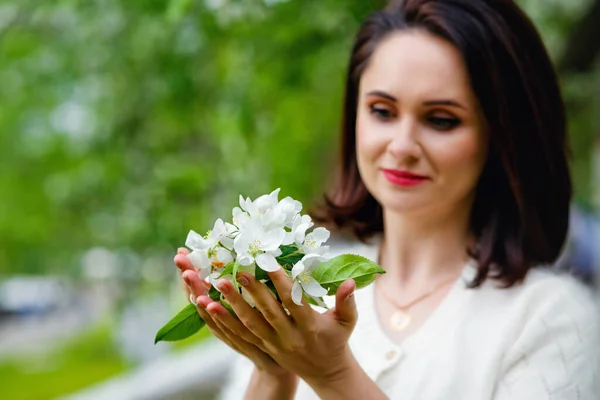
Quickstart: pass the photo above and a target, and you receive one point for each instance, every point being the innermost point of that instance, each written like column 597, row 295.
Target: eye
column 381, row 112
column 444, row 123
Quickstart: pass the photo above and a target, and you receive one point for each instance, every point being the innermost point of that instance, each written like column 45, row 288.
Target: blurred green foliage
column 70, row 367
column 123, row 124
column 63, row 369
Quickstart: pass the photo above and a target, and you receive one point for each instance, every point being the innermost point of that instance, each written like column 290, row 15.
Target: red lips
column 403, row 178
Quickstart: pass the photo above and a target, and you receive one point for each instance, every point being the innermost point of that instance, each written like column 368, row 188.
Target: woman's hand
column 314, row 346
column 268, row 373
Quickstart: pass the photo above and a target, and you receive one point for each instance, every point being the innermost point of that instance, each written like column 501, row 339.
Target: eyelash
column 442, row 124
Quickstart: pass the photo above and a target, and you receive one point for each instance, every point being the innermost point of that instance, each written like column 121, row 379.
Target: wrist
column 271, row 385
column 274, row 377
column 347, row 371
column 349, row 382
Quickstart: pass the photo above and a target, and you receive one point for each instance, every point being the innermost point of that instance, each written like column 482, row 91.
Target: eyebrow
column 441, row 102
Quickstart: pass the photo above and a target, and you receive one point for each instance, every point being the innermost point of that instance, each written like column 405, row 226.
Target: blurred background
column 125, row 123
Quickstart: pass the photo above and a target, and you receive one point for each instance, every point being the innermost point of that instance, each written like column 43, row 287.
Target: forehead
column 416, row 63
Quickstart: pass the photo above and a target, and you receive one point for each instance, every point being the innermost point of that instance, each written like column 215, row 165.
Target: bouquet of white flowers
column 265, row 235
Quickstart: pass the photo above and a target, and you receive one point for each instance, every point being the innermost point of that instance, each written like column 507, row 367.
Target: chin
column 402, row 203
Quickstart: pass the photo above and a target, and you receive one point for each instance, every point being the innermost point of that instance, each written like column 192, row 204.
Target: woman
column 454, row 171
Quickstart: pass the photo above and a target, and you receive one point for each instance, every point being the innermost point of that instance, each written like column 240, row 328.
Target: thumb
column 345, row 305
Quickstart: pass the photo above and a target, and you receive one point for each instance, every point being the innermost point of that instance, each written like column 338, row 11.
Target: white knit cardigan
column 536, row 341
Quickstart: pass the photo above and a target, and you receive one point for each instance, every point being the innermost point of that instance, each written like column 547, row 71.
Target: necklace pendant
column 399, row 320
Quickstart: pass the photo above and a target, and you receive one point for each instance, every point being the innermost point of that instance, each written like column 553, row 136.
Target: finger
column 218, row 332
column 247, row 316
column 197, row 285
column 259, row 357
column 345, row 305
column 202, row 303
column 183, row 263
column 183, row 251
column 266, row 303
column 215, row 328
column 223, row 317
column 303, row 315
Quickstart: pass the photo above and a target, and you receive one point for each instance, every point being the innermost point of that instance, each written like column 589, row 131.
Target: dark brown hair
column 521, row 208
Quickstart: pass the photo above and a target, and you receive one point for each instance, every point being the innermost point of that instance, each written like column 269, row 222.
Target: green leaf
column 214, row 294
column 228, row 270
column 290, row 255
column 287, row 250
column 236, row 268
column 182, row 326
column 260, row 274
column 333, row 273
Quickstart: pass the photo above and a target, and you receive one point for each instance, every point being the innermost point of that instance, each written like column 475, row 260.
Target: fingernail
column 222, row 287
column 350, row 296
column 242, row 280
column 214, row 311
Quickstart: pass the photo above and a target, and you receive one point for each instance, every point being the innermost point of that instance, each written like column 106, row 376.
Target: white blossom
column 313, row 241
column 303, row 281
column 207, row 252
column 255, row 244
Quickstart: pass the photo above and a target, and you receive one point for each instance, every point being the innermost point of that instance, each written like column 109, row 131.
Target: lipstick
column 403, row 178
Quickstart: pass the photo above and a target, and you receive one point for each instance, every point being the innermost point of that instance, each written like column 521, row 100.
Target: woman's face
column 420, row 139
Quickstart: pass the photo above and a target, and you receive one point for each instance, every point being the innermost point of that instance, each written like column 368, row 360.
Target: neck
column 421, row 250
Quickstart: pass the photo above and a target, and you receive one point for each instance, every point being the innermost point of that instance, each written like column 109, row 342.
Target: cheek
column 461, row 158
column 369, row 144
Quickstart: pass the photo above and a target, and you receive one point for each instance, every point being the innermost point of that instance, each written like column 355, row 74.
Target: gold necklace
column 400, row 319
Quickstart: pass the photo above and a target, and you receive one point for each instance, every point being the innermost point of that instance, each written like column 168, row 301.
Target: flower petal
column 267, row 262
column 272, row 219
column 290, row 208
column 312, row 260
column 200, row 259
column 312, row 287
column 297, row 269
column 231, row 229
column 240, row 219
column 227, row 242
column 218, row 231
column 276, row 253
column 245, row 259
column 241, row 243
column 223, row 255
column 195, row 241
column 319, row 235
column 297, row 293
column 300, row 232
column 319, row 302
column 288, row 239
column 213, row 277
column 271, row 240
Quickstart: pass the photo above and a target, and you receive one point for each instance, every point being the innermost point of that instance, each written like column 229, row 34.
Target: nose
column 404, row 143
